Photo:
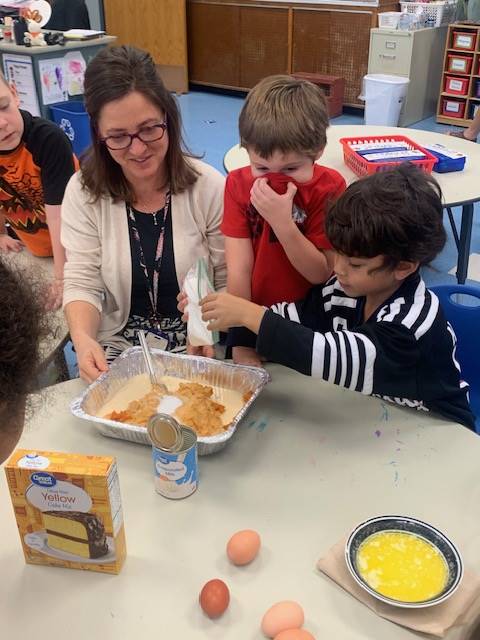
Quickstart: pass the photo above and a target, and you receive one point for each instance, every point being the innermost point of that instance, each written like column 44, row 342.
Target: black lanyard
column 157, row 265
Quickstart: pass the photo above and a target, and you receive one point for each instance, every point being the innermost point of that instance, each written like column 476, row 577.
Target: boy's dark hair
column 396, row 213
column 112, row 74
column 282, row 113
column 23, row 323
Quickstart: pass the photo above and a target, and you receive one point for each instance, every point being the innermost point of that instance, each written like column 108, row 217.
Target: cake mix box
column 68, row 509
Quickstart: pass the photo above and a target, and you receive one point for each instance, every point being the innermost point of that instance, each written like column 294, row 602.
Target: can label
column 176, row 473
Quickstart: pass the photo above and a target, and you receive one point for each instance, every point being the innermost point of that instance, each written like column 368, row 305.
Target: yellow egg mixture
column 402, row 566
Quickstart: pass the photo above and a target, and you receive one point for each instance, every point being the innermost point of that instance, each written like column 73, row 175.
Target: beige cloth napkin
column 461, row 608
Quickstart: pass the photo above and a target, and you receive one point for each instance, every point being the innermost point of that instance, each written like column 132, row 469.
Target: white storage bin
column 440, row 12
column 384, row 96
column 389, row 19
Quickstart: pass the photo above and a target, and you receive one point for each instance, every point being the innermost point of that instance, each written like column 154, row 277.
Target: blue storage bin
column 72, row 118
column 447, row 159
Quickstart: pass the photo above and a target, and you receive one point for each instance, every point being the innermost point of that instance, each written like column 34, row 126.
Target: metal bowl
column 422, row 530
column 218, row 374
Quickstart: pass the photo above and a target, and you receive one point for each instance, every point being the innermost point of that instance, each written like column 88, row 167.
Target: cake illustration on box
column 75, row 532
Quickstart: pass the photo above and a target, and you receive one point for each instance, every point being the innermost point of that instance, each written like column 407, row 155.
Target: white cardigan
column 97, row 244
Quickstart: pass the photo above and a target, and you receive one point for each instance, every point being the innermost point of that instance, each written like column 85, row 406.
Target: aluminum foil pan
column 216, row 373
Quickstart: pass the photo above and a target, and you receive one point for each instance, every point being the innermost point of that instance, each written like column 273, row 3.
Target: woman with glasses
column 136, row 217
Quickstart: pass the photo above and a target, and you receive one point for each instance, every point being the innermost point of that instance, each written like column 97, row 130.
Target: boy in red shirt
column 274, row 209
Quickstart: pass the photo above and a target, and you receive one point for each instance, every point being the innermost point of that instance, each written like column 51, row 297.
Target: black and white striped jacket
column 404, row 353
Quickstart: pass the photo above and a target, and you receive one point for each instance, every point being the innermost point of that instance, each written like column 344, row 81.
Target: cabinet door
column 214, row 44
column 263, row 43
column 391, row 53
column 158, row 26
column 334, row 42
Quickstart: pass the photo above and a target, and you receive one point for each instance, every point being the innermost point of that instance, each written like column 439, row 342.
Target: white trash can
column 384, row 96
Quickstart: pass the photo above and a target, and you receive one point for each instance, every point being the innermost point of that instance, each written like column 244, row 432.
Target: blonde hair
column 284, row 114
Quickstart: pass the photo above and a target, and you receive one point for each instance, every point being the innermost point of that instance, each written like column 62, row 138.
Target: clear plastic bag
column 197, row 285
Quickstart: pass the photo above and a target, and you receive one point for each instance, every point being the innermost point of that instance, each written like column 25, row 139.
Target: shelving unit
column 452, row 68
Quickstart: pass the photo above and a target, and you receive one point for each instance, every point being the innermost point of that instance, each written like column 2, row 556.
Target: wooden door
column 158, row 26
column 263, row 43
column 335, row 42
column 214, row 44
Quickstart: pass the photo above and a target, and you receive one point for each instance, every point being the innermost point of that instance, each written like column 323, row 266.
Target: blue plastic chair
column 465, row 321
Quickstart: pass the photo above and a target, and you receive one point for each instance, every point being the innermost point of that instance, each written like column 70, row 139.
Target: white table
column 459, row 188
column 308, row 463
column 42, row 268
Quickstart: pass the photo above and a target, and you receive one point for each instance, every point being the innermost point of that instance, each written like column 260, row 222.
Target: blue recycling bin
column 72, row 118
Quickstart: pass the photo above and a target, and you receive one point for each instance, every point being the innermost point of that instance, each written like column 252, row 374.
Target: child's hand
column 222, row 311
column 9, row 244
column 182, row 305
column 207, row 351
column 247, row 356
column 274, row 208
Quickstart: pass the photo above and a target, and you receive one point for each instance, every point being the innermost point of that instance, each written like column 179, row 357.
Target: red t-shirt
column 274, row 278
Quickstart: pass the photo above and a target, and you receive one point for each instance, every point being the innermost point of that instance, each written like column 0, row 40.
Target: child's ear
column 319, row 155
column 405, row 268
column 13, row 90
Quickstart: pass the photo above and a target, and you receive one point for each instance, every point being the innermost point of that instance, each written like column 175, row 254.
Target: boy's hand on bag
column 182, row 305
column 274, row 208
column 222, row 311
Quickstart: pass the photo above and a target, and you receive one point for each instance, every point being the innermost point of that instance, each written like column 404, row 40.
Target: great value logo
column 43, row 479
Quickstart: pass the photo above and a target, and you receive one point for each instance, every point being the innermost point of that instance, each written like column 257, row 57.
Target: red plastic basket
column 363, row 167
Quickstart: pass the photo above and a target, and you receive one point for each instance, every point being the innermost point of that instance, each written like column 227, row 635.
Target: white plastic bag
column 197, row 285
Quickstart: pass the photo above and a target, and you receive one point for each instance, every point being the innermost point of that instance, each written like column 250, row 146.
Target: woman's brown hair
column 112, row 74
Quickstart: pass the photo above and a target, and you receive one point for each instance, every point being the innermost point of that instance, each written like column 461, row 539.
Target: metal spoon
column 148, row 361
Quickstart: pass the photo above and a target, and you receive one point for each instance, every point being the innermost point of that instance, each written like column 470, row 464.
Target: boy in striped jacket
column 373, row 327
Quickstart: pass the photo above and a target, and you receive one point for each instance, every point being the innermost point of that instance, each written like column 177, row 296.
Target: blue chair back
column 465, row 321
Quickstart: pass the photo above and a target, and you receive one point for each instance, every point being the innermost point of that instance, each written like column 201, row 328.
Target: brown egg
column 243, row 546
column 294, row 634
column 282, row 616
column 214, row 598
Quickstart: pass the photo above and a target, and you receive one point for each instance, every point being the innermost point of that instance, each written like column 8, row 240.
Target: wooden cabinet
column 416, row 55
column 219, row 62
column 264, row 36
column 333, row 41
column 158, row 26
column 459, row 96
column 234, row 44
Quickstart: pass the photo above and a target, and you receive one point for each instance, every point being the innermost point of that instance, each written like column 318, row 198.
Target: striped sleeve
column 378, row 358
column 345, row 358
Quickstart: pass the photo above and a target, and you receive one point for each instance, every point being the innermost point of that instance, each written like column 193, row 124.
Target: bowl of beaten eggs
column 403, row 561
